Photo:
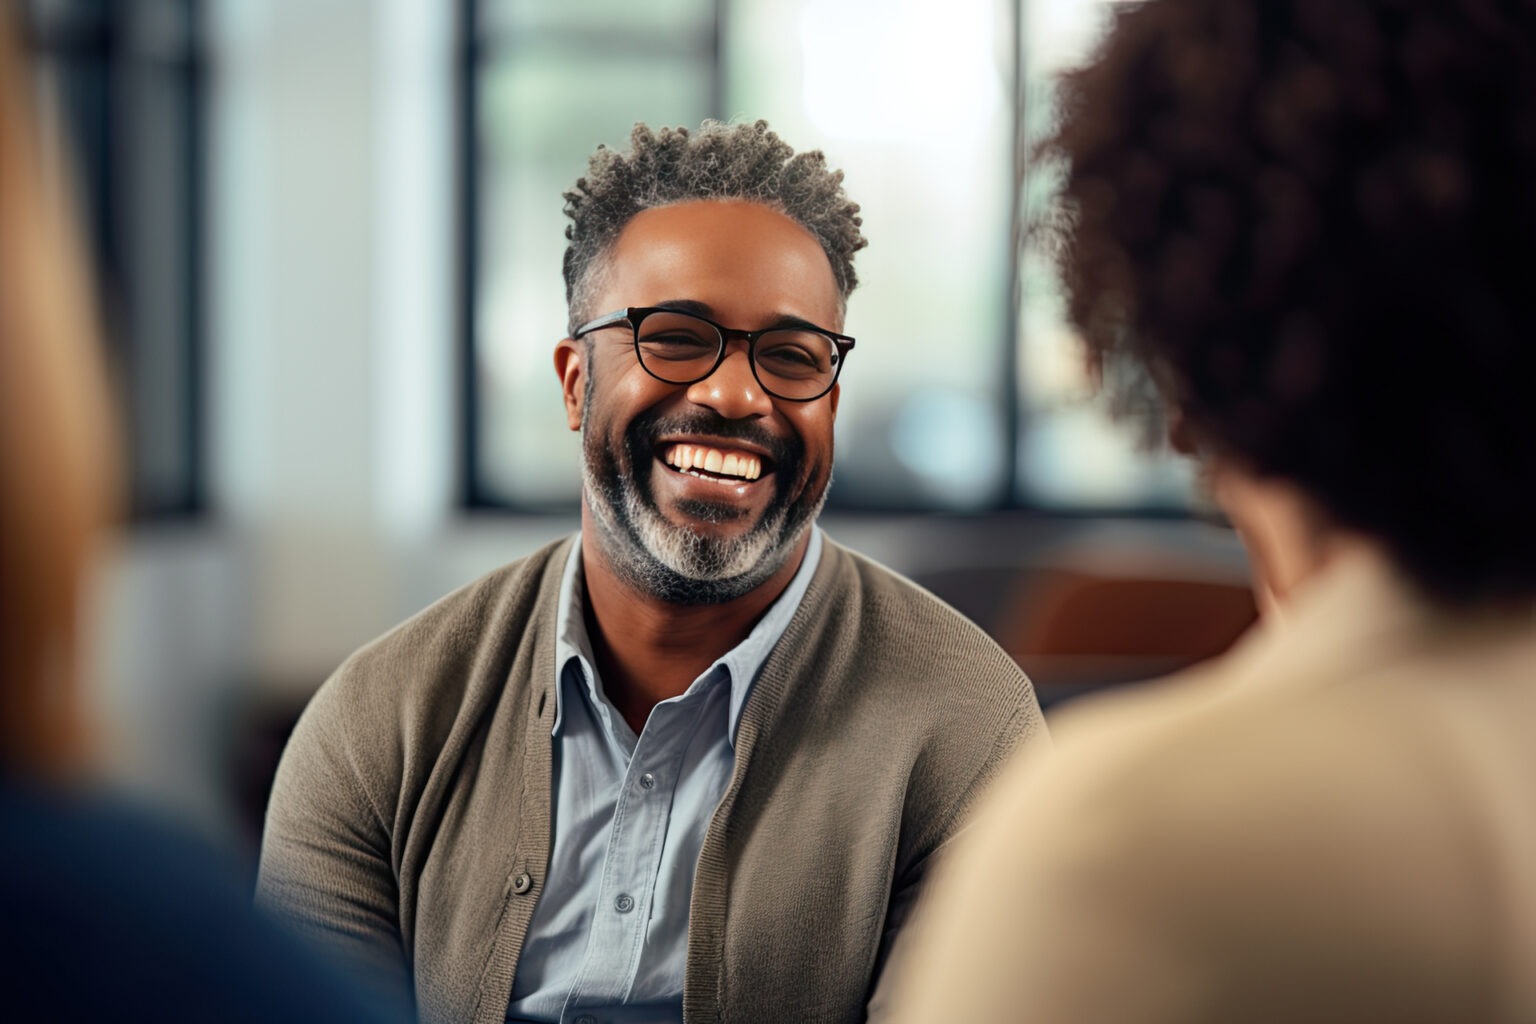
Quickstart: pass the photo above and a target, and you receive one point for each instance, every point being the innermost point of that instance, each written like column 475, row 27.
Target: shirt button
column 647, row 781
column 624, row 903
column 522, row 883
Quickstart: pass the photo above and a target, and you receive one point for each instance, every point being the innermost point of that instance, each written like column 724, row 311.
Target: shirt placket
column 633, row 858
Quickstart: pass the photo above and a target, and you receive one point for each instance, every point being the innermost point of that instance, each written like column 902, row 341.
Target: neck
column 1288, row 538
column 648, row 649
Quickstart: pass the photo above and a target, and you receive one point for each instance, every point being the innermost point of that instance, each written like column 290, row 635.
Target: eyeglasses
column 797, row 364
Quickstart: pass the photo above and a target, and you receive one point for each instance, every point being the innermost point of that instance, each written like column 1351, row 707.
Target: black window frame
column 85, row 49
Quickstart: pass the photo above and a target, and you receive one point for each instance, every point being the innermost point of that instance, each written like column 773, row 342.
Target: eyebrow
column 705, row 310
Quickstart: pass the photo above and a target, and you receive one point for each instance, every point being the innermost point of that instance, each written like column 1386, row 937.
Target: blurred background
column 328, row 235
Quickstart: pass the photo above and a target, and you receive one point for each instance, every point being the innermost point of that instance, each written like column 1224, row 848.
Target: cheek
column 815, row 429
column 616, row 397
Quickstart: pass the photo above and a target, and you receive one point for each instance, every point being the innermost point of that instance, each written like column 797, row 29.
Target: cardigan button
column 522, row 883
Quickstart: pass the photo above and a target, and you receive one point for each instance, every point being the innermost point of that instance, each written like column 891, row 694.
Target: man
column 1313, row 225
column 695, row 763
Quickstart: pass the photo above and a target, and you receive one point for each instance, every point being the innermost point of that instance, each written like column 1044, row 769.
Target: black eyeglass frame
column 634, row 316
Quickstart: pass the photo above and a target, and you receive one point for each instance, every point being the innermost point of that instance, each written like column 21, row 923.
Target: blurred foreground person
column 106, row 913
column 1313, row 226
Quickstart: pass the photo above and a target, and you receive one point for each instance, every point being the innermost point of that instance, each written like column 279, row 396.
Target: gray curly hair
column 719, row 161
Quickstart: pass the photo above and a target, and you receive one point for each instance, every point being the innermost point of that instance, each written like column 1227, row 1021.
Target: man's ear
column 833, row 396
column 571, row 367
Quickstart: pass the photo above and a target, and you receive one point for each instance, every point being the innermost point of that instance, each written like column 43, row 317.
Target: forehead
column 748, row 262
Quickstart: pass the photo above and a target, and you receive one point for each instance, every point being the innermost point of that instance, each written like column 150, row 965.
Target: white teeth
column 688, row 457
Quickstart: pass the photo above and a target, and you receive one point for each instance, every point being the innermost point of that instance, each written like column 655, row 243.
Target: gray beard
column 657, row 557
column 678, row 565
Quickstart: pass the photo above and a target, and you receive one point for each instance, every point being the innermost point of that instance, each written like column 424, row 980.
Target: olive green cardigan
column 409, row 826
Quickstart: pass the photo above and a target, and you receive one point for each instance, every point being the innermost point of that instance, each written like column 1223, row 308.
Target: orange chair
column 1073, row 630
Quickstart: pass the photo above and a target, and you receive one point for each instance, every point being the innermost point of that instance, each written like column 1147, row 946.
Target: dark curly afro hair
column 1313, row 223
column 719, row 161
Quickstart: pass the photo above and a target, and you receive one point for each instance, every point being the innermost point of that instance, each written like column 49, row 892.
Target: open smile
column 727, row 464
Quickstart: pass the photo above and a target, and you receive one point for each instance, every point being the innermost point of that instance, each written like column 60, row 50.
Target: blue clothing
column 609, row 938
column 110, row 914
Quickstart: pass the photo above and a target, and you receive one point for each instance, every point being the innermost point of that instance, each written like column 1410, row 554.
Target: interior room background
column 329, row 236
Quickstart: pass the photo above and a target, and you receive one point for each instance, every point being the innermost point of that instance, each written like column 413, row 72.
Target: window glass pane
column 1070, row 453
column 927, row 157
column 613, row 17
column 541, row 117
column 119, row 97
column 156, row 275
column 55, row 18
column 159, row 28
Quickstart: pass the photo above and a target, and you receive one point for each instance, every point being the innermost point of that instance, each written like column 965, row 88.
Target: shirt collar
column 740, row 664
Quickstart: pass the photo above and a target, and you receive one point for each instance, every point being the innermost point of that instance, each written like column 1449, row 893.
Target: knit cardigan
column 409, row 824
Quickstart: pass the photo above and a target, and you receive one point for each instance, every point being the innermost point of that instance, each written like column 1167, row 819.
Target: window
column 121, row 85
column 925, row 112
column 548, row 81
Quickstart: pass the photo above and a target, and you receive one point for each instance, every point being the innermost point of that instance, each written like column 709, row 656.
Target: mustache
column 649, row 426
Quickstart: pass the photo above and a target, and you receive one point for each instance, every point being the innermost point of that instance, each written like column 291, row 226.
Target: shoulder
column 890, row 660
column 1243, row 814
column 410, row 688
column 1216, row 853
column 165, row 922
column 463, row 636
column 498, row 609
column 1211, row 757
column 885, row 641
column 897, row 623
column 858, row 575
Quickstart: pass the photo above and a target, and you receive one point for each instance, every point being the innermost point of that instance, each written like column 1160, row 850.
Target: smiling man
column 695, row 762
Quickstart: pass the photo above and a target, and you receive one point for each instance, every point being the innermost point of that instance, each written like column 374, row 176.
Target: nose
column 732, row 390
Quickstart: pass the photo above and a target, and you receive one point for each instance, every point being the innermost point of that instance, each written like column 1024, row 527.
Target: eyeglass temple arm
column 618, row 316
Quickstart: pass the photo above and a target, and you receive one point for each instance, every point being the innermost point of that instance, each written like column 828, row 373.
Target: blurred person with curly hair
column 108, row 909
column 1310, row 225
column 694, row 762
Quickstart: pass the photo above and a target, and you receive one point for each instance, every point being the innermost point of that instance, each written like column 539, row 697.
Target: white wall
column 330, row 401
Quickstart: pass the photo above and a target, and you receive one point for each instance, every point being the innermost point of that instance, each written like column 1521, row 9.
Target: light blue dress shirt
column 609, row 938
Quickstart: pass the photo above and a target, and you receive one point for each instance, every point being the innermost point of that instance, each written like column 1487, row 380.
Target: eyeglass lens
column 681, row 349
